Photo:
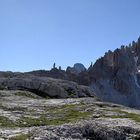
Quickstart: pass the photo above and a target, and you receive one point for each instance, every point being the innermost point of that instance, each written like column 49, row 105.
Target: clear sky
column 36, row 33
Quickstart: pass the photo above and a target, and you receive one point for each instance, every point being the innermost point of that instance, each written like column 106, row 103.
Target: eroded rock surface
column 115, row 77
column 24, row 115
column 44, row 86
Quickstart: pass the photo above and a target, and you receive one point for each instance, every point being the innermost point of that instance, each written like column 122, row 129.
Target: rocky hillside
column 116, row 76
column 25, row 116
column 78, row 73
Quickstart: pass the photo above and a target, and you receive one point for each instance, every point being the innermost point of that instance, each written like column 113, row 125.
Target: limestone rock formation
column 76, row 69
column 115, row 77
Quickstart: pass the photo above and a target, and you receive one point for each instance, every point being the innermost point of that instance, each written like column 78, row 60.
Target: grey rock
column 100, row 124
column 76, row 69
column 43, row 86
column 87, row 130
column 114, row 77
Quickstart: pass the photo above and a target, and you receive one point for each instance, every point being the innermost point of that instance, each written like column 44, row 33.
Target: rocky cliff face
column 115, row 77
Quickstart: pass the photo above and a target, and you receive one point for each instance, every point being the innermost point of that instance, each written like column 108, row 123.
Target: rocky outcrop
column 89, row 130
column 115, row 76
column 76, row 69
column 53, row 73
column 45, row 87
column 25, row 116
column 77, row 73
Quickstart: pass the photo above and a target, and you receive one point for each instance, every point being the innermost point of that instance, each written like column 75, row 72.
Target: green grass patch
column 62, row 108
column 69, row 116
column 124, row 114
column 25, row 94
column 70, row 106
column 20, row 137
column 53, row 116
column 16, row 108
column 5, row 122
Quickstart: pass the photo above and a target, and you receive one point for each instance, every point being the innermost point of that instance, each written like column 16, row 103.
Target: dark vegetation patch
column 25, row 94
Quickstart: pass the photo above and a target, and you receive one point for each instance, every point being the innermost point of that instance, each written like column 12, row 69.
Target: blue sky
column 36, row 33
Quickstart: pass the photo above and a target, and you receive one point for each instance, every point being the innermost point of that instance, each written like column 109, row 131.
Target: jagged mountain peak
column 76, row 69
column 115, row 76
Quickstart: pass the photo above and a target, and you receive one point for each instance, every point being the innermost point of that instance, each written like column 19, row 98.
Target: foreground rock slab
column 26, row 116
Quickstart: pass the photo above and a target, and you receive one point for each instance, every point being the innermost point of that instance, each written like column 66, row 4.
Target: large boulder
column 45, row 87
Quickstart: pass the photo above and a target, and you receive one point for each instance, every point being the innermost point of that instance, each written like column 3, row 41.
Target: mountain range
column 101, row 102
column 115, row 77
